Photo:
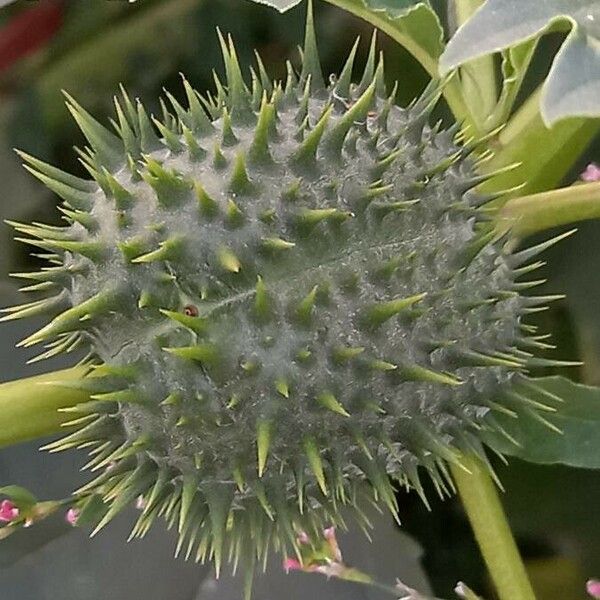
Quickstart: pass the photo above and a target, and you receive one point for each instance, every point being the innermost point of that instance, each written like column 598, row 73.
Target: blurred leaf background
column 89, row 47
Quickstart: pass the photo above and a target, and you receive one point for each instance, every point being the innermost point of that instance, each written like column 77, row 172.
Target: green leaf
column 280, row 5
column 19, row 495
column 573, row 84
column 394, row 8
column 29, row 407
column 544, row 155
column 414, row 25
column 577, row 416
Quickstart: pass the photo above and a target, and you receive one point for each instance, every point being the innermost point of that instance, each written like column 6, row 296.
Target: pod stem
column 29, row 407
column 539, row 212
column 482, row 504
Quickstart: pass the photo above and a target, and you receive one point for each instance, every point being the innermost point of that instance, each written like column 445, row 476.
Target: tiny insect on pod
column 292, row 301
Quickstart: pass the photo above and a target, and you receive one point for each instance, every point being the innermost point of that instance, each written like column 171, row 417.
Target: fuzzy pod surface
column 292, row 301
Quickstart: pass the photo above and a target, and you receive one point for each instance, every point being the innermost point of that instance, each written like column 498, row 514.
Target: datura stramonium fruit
column 292, row 299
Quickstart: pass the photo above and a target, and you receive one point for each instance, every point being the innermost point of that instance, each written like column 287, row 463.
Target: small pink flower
column 591, row 173
column 140, row 503
column 291, row 564
column 8, row 511
column 303, row 538
column 593, row 588
column 335, row 553
column 72, row 516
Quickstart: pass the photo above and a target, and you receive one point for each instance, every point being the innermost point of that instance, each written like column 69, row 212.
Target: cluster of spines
column 53, row 237
column 68, row 324
column 205, row 517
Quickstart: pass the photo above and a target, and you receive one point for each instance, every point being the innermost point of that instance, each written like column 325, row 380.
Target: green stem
column 29, row 407
column 538, row 212
column 478, row 77
column 515, row 65
column 492, row 532
column 358, row 576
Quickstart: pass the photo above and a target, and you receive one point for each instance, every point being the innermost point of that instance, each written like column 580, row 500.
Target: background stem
column 486, row 515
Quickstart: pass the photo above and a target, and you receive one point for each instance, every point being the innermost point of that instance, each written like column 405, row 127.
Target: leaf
column 19, row 495
column 280, row 5
column 414, row 25
column 573, row 84
column 578, row 417
column 544, row 155
column 394, row 8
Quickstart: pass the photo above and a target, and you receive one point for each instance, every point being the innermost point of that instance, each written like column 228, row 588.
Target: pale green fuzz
column 292, row 305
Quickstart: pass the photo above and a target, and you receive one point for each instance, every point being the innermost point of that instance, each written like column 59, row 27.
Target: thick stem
column 482, row 505
column 29, row 407
column 539, row 212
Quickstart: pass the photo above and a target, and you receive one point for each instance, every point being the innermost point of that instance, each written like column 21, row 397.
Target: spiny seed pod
column 292, row 300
